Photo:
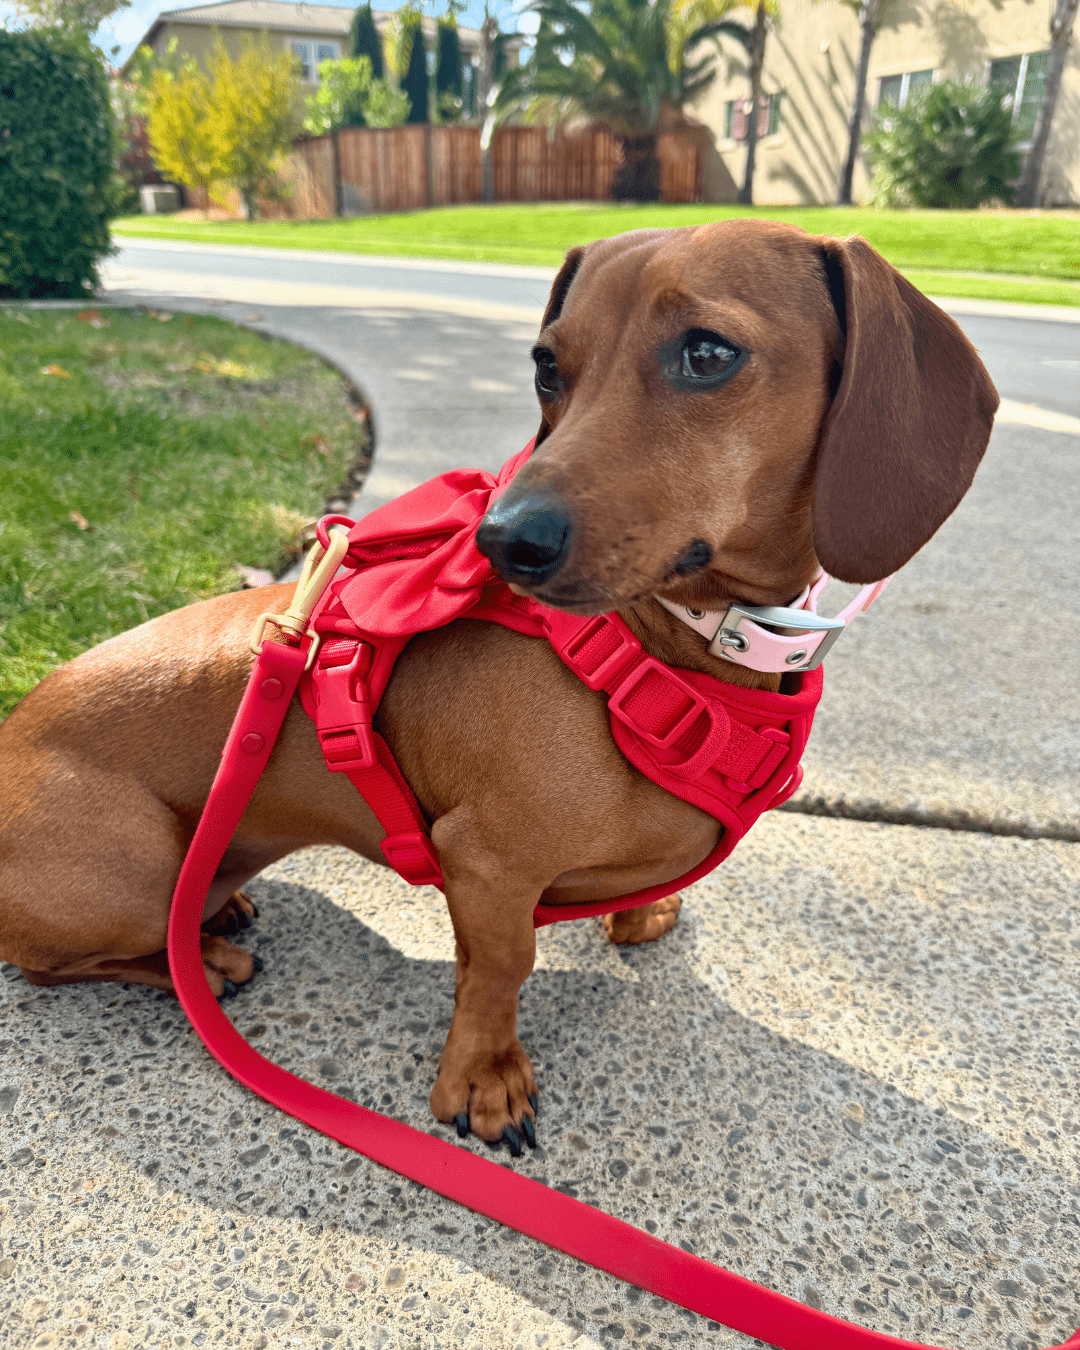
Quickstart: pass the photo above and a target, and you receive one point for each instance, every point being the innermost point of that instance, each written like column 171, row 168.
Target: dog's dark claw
column 229, row 991
column 244, row 919
column 534, row 1102
column 461, row 1121
column 513, row 1143
column 256, row 964
column 529, row 1131
column 254, row 908
column 232, row 923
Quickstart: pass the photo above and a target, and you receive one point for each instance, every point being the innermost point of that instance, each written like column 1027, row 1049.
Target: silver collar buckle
column 730, row 639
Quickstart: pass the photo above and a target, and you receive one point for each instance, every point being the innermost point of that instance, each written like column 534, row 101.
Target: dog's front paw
column 493, row 1095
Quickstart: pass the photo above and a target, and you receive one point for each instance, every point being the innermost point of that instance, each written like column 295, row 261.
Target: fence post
column 337, row 204
column 429, row 165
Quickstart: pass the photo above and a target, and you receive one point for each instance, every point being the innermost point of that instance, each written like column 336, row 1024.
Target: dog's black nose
column 526, row 540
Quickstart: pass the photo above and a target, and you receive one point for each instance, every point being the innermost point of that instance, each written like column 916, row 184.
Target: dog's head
column 724, row 408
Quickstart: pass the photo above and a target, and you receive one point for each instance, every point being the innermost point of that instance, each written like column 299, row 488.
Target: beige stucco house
column 809, row 81
column 313, row 33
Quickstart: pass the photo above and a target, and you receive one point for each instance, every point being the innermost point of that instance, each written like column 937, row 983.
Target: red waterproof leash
column 532, row 1208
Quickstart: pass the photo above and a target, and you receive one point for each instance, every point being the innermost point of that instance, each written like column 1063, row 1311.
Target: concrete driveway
column 847, row 1073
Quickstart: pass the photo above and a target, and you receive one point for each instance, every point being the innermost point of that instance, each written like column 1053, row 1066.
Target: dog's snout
column 526, row 540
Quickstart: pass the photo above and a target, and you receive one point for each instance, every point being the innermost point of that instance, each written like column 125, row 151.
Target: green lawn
column 139, row 460
column 1042, row 249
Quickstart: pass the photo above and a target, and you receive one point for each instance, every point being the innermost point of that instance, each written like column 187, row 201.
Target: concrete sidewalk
column 847, row 1072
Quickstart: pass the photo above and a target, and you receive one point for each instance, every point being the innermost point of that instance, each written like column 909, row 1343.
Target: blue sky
column 127, row 26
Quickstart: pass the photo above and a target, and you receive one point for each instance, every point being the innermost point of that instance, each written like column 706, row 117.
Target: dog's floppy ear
column 559, row 287
column 908, row 425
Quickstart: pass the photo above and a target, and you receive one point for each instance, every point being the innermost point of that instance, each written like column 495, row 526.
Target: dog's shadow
column 660, row 1103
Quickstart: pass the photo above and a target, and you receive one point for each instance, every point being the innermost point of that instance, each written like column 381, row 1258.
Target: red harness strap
column 732, row 752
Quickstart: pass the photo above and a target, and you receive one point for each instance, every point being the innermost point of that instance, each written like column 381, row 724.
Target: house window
column 1020, row 80
column 736, row 118
column 310, row 54
column 896, row 89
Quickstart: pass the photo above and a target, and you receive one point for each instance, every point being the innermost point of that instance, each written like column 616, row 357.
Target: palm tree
column 753, row 39
column 622, row 63
column 1061, row 25
column 870, row 14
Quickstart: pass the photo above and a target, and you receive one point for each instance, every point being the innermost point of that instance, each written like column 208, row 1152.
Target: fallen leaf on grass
column 92, row 317
column 228, row 370
column 80, row 520
column 55, row 370
column 253, row 577
column 318, row 442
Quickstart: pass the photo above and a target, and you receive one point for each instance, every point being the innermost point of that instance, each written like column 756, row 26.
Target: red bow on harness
column 414, row 566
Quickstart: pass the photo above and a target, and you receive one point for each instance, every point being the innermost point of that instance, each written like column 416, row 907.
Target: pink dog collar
column 775, row 639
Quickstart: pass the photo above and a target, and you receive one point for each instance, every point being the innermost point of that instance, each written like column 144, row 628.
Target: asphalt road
column 849, row 1072
column 1030, row 360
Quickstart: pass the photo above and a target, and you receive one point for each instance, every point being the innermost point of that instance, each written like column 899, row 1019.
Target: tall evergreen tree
column 415, row 82
column 448, row 75
column 364, row 40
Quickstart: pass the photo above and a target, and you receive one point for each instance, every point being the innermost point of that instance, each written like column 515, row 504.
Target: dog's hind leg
column 88, row 862
column 646, row 923
column 226, row 967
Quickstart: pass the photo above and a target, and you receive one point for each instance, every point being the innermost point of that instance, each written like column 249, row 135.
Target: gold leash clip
column 320, row 567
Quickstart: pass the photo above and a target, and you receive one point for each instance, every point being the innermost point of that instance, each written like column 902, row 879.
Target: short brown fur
column 850, row 434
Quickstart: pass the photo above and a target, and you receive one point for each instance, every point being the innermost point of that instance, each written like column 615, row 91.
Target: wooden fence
column 528, row 165
column 367, row 169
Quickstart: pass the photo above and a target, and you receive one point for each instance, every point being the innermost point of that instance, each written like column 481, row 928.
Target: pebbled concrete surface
column 848, row 1072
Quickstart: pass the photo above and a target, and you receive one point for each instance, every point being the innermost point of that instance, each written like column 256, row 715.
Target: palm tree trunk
column 757, row 62
column 485, row 80
column 869, row 12
column 1061, row 26
column 637, row 176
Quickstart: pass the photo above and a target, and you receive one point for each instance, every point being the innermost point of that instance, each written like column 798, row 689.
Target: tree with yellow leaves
column 232, row 123
column 179, row 107
column 254, row 116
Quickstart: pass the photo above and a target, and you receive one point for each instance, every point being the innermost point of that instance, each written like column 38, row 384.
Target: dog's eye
column 700, row 359
column 547, row 372
column 705, row 355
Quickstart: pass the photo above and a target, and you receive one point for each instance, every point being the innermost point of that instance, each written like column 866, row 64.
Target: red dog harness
column 733, row 752
column 414, row 566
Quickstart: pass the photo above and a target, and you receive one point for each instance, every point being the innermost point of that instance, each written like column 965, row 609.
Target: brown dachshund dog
column 724, row 410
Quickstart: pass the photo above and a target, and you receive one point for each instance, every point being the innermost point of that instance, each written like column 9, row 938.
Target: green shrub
column 952, row 145
column 347, row 96
column 56, row 163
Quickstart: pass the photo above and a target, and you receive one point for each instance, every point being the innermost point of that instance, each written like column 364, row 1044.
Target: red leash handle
column 534, row 1209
